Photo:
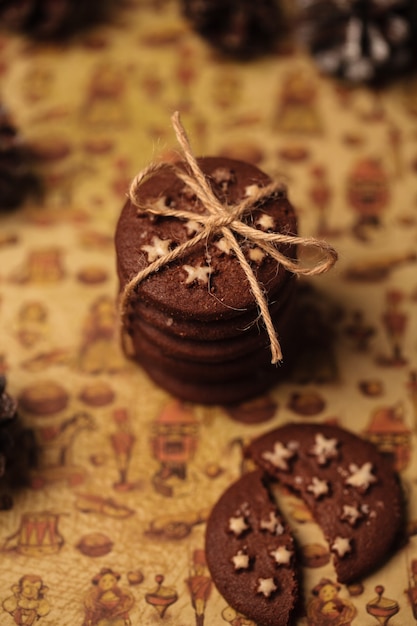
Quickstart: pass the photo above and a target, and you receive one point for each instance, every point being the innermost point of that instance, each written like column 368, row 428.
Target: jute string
column 227, row 221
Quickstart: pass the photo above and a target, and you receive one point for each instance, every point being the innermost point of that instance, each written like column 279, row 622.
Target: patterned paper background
column 110, row 529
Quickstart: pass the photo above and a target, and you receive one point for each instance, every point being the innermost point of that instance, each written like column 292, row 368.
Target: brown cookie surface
column 351, row 489
column 250, row 553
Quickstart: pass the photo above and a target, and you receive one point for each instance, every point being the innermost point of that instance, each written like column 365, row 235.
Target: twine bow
column 227, row 221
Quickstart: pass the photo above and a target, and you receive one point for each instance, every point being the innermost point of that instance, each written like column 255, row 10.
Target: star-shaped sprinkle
column 251, row 190
column 324, row 449
column 341, row 546
column 162, row 203
column 318, row 487
column 351, row 514
column 256, row 254
column 223, row 177
column 223, row 245
column 266, row 586
column 159, row 247
column 282, row 555
column 361, row 477
column 265, row 221
column 241, row 560
column 200, row 273
column 192, row 226
column 238, row 525
column 272, row 524
column 278, row 457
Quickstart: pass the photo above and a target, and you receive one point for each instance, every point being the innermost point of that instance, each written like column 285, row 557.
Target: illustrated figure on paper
column 174, row 442
column 122, row 442
column 411, row 591
column 53, row 447
column 368, row 194
column 327, row 608
column 199, row 585
column 28, row 604
column 162, row 596
column 359, row 331
column 32, row 323
column 37, row 536
column 100, row 352
column 388, row 430
column 297, row 108
column 43, row 266
column 105, row 105
column 381, row 607
column 106, row 603
column 395, row 321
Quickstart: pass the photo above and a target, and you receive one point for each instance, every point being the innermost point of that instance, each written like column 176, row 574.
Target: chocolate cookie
column 207, row 283
column 351, row 489
column 250, row 553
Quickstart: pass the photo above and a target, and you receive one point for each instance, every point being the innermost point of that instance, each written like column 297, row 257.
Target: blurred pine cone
column 360, row 40
column 8, row 414
column 16, row 178
column 239, row 28
column 51, row 19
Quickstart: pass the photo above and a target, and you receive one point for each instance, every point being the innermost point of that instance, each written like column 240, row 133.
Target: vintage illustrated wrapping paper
column 108, row 526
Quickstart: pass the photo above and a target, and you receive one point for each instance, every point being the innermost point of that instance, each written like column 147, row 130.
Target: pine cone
column 16, row 179
column 360, row 40
column 51, row 19
column 239, row 28
column 8, row 414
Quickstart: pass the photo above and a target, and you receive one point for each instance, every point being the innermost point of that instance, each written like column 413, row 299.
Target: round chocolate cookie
column 223, row 392
column 207, row 283
column 350, row 488
column 250, row 553
column 238, row 326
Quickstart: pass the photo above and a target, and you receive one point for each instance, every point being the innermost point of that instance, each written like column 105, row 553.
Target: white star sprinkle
column 318, row 487
column 324, row 449
column 341, row 546
column 200, row 274
column 272, row 524
column 223, row 245
column 223, row 177
column 361, row 477
column 159, row 247
column 278, row 458
column 251, row 190
column 266, row 586
column 351, row 514
column 238, row 525
column 192, row 227
column 265, row 221
column 281, row 555
column 241, row 560
column 256, row 254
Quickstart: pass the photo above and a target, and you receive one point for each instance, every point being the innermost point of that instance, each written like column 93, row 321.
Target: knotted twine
column 226, row 220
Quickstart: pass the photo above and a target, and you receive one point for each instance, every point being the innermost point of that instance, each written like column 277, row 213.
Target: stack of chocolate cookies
column 194, row 325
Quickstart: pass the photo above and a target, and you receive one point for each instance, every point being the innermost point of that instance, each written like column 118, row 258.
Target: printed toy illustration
column 107, row 603
column 199, row 585
column 174, row 442
column 327, row 607
column 28, row 603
